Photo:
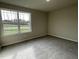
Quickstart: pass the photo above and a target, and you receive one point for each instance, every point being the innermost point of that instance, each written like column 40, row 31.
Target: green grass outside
column 10, row 29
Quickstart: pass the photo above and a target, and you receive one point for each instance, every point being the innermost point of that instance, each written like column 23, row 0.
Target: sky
column 11, row 15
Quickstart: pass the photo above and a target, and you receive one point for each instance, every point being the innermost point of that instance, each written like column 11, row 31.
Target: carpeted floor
column 41, row 48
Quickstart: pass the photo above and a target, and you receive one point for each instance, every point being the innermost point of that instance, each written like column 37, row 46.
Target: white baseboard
column 24, row 39
column 63, row 38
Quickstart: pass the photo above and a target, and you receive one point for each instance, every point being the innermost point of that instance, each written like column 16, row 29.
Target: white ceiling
column 41, row 4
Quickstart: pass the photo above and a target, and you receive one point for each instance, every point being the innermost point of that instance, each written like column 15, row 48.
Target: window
column 24, row 21
column 15, row 22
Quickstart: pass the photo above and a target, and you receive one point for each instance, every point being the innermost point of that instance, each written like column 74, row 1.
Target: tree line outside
column 15, row 21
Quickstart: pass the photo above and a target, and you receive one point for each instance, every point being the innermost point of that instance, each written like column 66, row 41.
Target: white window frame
column 18, row 25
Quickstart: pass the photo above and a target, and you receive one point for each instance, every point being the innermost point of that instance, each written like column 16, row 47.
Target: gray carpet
column 41, row 48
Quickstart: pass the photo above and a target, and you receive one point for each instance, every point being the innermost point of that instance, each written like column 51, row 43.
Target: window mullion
column 18, row 22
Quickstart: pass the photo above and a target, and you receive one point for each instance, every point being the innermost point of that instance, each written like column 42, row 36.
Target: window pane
column 25, row 22
column 9, row 20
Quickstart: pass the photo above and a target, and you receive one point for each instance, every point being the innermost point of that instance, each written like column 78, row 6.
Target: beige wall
column 39, row 27
column 63, row 23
